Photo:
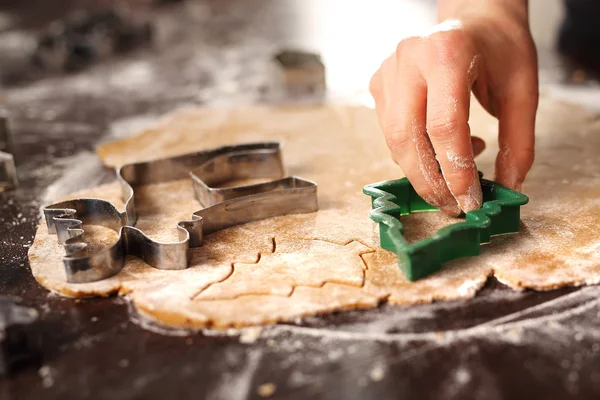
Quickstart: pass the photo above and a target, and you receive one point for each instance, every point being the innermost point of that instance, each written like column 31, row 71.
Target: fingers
column 403, row 99
column 448, row 99
column 423, row 109
column 517, row 111
column 422, row 96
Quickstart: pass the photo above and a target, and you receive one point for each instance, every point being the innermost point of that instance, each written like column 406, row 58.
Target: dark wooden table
column 501, row 344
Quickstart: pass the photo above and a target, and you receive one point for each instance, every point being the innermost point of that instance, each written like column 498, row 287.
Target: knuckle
column 451, row 36
column 526, row 156
column 405, row 44
column 448, row 45
column 459, row 180
column 396, row 136
column 374, row 83
column 408, row 49
column 443, row 128
column 400, row 47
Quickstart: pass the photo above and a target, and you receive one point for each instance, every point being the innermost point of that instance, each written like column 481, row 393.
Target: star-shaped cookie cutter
column 224, row 207
column 499, row 214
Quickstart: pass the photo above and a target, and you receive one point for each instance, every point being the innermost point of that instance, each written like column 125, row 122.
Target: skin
column 422, row 96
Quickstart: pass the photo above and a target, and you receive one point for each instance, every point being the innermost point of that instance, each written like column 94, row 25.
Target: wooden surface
column 500, row 345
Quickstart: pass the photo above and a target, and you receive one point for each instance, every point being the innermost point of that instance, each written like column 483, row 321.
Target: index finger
column 449, row 96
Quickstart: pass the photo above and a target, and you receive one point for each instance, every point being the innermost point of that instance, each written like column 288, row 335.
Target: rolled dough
column 292, row 266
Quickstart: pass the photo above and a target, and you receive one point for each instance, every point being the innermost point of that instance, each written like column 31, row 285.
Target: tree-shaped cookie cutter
column 499, row 214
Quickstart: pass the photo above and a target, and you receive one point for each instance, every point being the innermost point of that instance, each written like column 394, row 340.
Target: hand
column 422, row 97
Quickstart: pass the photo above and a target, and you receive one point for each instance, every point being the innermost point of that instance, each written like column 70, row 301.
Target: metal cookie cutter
column 224, row 207
column 17, row 347
column 499, row 214
column 301, row 72
column 8, row 172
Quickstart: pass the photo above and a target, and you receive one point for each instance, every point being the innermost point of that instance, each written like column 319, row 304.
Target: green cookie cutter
column 499, row 214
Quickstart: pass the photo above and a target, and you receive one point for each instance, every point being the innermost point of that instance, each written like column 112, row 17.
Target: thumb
column 478, row 145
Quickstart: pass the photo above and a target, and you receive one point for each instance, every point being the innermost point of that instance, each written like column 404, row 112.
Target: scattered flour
column 46, row 373
column 460, row 162
column 250, row 335
column 462, row 376
column 469, row 288
column 80, row 171
column 236, row 385
column 377, row 373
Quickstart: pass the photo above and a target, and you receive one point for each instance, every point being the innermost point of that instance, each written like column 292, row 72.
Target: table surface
column 502, row 344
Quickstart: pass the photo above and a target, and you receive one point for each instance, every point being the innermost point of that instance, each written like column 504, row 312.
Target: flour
column 555, row 324
column 473, row 71
column 440, row 196
column 460, row 162
column 235, row 385
column 134, row 75
column 80, row 171
column 250, row 335
column 377, row 373
column 462, row 376
column 46, row 373
column 298, row 379
column 83, row 170
column 506, row 168
column 131, row 125
column 469, row 288
column 145, row 322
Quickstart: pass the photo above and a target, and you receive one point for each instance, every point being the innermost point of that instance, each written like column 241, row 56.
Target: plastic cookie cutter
column 8, row 171
column 499, row 214
column 224, row 207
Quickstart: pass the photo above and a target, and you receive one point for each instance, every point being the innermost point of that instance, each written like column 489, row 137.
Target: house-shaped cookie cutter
column 499, row 214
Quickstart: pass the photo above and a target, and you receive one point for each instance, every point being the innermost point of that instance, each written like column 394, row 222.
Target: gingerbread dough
column 292, row 266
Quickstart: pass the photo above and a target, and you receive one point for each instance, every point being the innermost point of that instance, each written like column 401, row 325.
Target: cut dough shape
column 342, row 149
column 294, row 263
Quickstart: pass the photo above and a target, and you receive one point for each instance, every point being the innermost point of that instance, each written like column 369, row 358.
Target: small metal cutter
column 499, row 214
column 8, row 172
column 224, row 207
column 301, row 73
column 16, row 345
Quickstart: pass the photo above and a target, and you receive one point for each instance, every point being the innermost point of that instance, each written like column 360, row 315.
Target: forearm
column 513, row 9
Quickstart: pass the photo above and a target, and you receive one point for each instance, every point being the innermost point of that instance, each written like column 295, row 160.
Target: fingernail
column 507, row 171
column 471, row 200
column 519, row 186
column 451, row 209
column 467, row 203
column 509, row 182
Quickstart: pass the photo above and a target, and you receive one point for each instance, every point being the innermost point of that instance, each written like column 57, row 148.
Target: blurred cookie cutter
column 224, row 207
column 499, row 214
column 18, row 347
column 8, row 171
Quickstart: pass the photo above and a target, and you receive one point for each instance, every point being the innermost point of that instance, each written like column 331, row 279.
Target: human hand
column 422, row 98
